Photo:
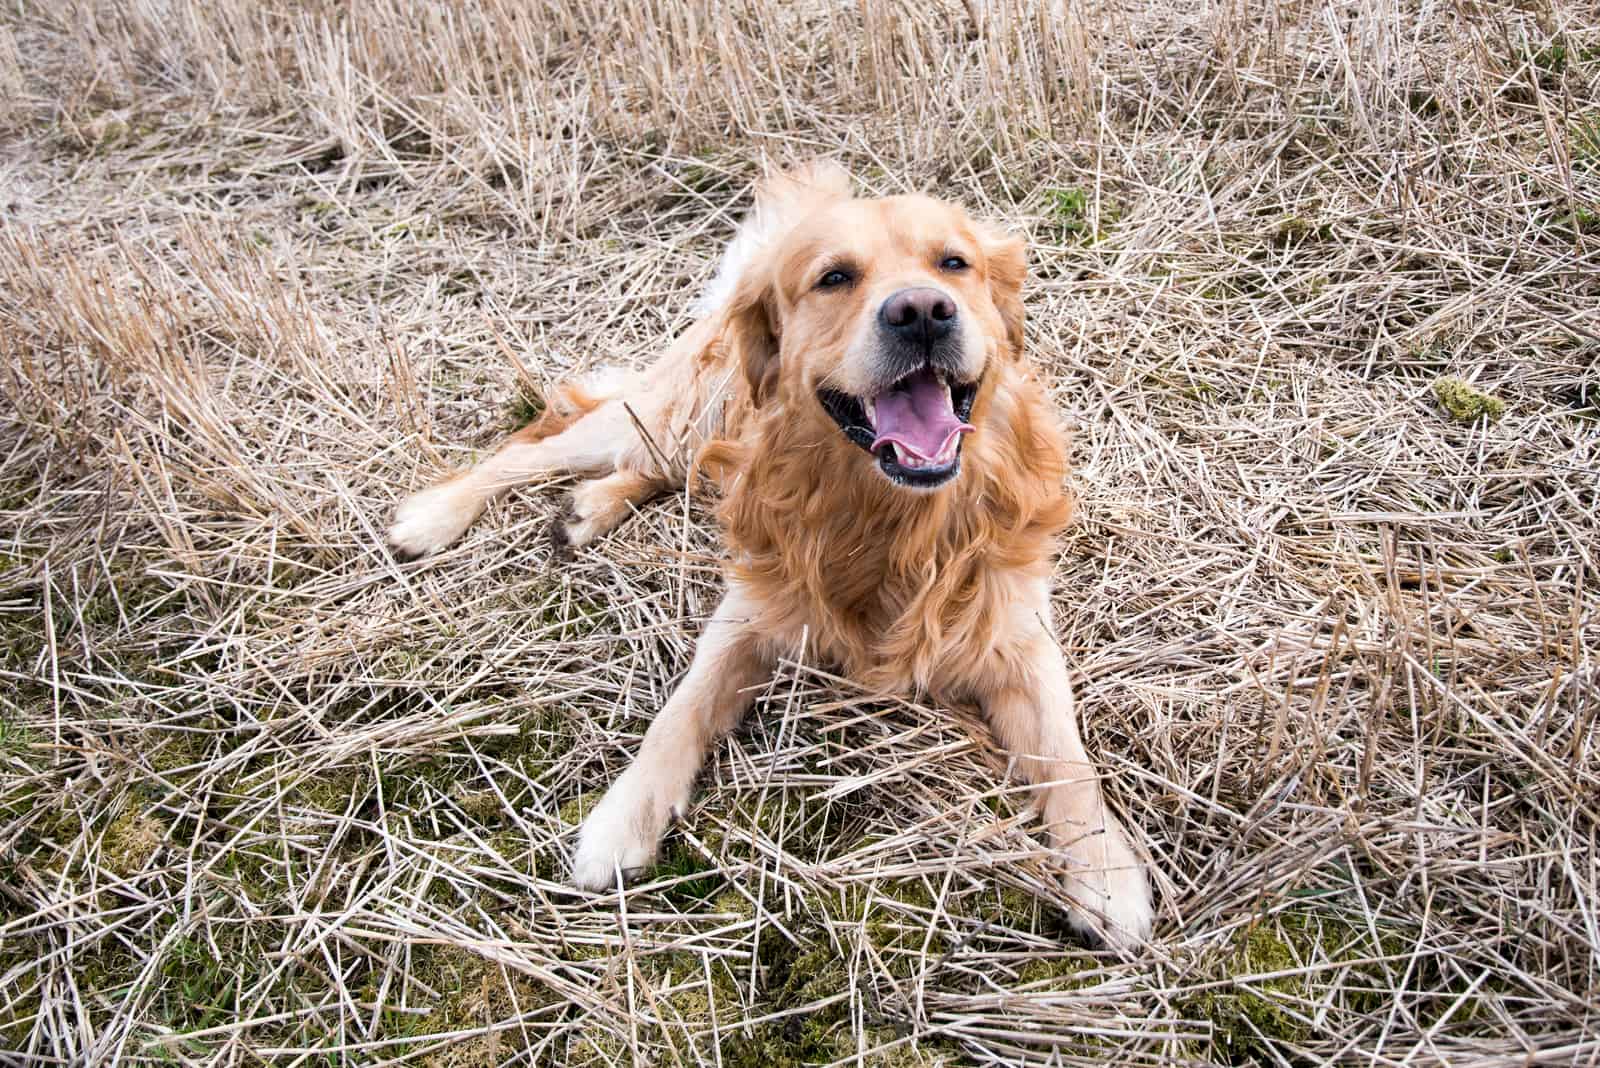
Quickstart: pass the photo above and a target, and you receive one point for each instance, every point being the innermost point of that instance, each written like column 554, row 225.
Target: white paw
column 1119, row 911
column 590, row 513
column 622, row 832
column 1110, row 886
column 432, row 520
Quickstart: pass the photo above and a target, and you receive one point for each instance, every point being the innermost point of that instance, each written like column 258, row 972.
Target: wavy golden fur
column 929, row 578
column 901, row 590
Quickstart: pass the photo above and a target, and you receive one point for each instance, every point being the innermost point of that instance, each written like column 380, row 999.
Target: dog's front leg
column 623, row 830
column 1030, row 710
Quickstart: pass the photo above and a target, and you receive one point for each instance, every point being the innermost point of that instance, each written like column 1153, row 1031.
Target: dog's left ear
column 751, row 327
column 1007, row 256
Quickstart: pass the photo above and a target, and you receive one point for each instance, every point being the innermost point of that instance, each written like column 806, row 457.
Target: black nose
column 922, row 315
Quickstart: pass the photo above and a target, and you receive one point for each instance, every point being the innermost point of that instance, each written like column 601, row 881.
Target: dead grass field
column 269, row 797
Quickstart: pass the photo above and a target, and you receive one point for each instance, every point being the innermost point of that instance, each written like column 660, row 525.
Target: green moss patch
column 130, row 841
column 1466, row 403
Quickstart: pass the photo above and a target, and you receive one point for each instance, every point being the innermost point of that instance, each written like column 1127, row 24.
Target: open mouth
column 913, row 428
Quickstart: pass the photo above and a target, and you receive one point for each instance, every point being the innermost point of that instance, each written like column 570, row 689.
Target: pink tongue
column 918, row 415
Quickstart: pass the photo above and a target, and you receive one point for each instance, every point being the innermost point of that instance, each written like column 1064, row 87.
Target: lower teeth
column 915, row 462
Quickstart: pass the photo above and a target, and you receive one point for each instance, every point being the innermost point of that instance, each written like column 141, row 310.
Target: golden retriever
column 891, row 482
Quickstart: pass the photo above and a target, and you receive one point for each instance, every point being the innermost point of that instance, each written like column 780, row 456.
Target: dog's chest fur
column 905, row 592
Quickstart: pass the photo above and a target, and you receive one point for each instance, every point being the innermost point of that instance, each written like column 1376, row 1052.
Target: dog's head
column 879, row 320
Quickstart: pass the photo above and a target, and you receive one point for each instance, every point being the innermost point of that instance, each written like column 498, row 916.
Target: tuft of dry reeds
column 269, row 797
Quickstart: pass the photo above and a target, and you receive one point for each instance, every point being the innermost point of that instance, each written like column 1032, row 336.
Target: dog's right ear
column 751, row 327
column 1007, row 256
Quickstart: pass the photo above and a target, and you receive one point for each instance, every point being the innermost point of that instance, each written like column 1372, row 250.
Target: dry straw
column 269, row 797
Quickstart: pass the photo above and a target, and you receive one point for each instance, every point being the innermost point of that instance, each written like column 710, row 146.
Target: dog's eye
column 952, row 263
column 834, row 278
